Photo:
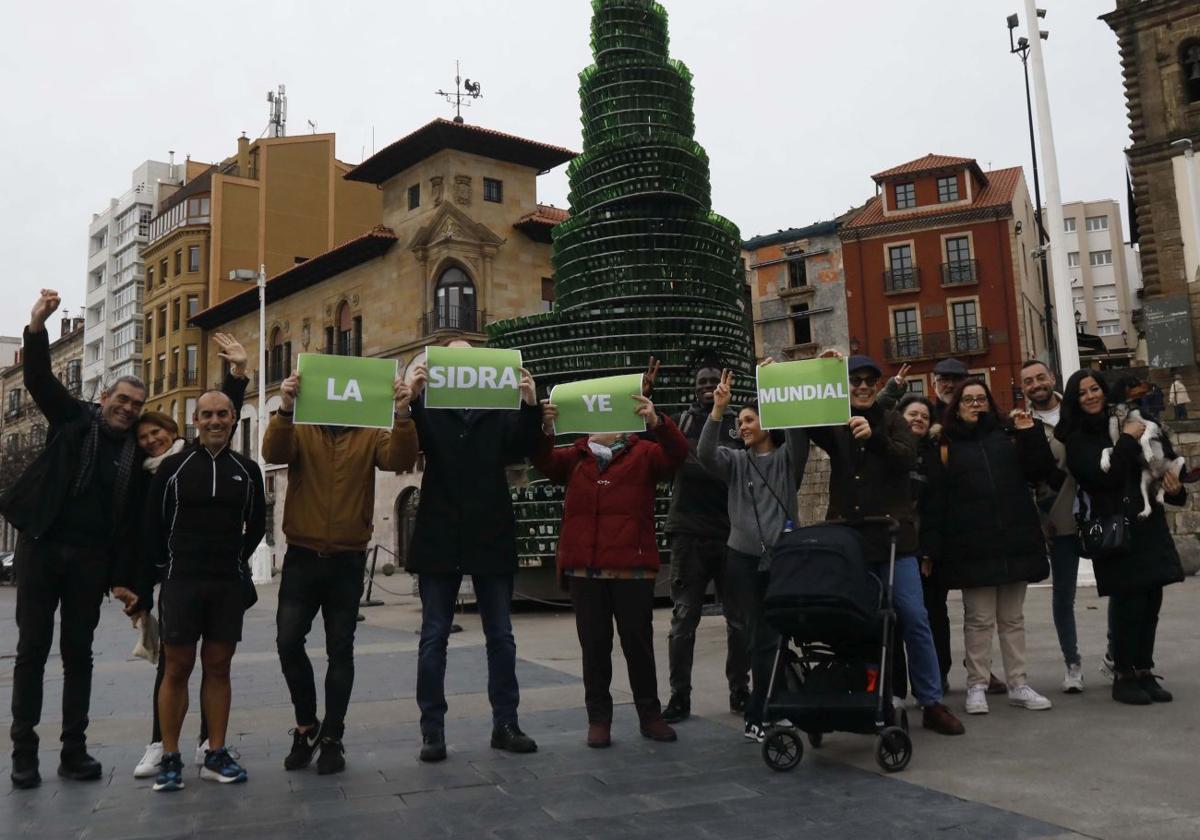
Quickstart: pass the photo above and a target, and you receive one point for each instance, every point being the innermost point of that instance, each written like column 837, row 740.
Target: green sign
column 598, row 405
column 345, row 391
column 473, row 377
column 794, row 395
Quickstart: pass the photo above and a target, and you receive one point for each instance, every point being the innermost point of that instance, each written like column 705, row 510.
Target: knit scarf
column 605, row 454
column 152, row 463
column 87, row 464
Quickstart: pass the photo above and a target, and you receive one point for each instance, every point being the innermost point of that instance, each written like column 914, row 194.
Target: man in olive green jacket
column 328, row 521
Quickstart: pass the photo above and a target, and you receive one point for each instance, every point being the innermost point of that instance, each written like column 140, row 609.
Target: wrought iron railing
column 959, row 273
column 964, row 341
column 459, row 318
column 902, row 280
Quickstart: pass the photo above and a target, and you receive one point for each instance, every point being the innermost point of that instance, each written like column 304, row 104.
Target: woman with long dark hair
column 985, row 532
column 1134, row 581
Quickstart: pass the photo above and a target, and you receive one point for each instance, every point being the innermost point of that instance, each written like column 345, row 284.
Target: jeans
column 333, row 584
column 694, row 562
column 908, row 599
column 1181, row 412
column 745, row 589
column 1134, row 617
column 1064, row 570
column 598, row 602
column 493, row 597
column 49, row 574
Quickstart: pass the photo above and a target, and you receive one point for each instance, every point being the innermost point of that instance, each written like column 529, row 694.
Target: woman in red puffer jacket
column 608, row 556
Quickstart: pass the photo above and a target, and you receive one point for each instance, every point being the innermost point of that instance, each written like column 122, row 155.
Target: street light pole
column 262, row 555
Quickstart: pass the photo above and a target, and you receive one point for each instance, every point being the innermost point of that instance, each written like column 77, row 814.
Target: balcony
column 903, row 280
column 965, row 341
column 13, row 412
column 189, row 378
column 172, row 381
column 453, row 319
column 158, row 386
column 959, row 273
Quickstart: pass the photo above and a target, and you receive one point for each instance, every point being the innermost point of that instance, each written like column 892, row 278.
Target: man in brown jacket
column 328, row 521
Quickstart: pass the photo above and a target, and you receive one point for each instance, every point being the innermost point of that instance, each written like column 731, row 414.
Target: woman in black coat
column 1135, row 581
column 984, row 532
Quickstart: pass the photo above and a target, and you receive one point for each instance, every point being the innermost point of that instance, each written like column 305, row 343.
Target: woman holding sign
column 608, row 555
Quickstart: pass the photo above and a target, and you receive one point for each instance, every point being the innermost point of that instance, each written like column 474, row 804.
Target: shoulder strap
column 750, row 459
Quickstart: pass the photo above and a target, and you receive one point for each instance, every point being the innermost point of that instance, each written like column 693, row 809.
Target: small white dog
column 1156, row 463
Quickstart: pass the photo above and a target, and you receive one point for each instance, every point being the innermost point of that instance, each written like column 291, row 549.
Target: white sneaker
column 977, row 699
column 201, row 751
column 1073, row 681
column 754, row 733
column 1107, row 667
column 148, row 766
column 1024, row 695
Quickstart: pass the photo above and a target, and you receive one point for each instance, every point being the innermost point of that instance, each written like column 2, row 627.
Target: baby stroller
column 824, row 599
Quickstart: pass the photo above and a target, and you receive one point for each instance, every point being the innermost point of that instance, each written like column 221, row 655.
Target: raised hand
column 650, row 376
column 232, row 351
column 404, row 396
column 646, row 411
column 47, row 303
column 831, row 353
column 288, row 389
column 1022, row 419
column 860, row 427
column 722, row 394
column 528, row 388
column 549, row 415
column 418, row 375
column 901, row 376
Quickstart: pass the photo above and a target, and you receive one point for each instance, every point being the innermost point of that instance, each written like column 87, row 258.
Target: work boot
column 656, row 729
column 599, row 735
column 25, row 771
column 79, row 766
column 1149, row 684
column 433, row 746
column 679, row 708
column 941, row 720
column 510, row 738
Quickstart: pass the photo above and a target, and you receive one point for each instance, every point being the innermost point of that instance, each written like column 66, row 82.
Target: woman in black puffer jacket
column 1135, row 581
column 983, row 529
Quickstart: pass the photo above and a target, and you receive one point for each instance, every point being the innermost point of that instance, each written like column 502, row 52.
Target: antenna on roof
column 277, row 124
column 464, row 89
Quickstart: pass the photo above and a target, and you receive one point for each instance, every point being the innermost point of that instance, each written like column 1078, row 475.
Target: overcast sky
column 797, row 101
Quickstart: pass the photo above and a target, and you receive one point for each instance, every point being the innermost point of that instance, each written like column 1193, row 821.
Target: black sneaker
column 332, row 758
column 433, row 746
column 1127, row 690
column 304, row 744
column 510, row 738
column 1149, row 684
column 80, row 767
column 738, row 698
column 679, row 708
column 25, row 773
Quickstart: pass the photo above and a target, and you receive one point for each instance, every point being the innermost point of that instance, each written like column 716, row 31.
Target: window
column 1189, row 58
column 797, row 273
column 801, row 326
column 964, row 319
column 455, row 301
column 162, row 321
column 493, row 190
column 1069, row 224
column 280, row 358
column 162, row 272
column 916, row 385
column 149, row 278
column 906, row 332
column 1096, row 223
column 193, row 305
column 175, row 308
column 958, row 261
column 191, row 365
column 1100, row 258
column 1072, row 259
column 901, row 275
column 1108, row 328
column 149, row 324
column 906, row 196
column 414, row 196
column 193, row 258
column 349, row 333
column 947, row 188
column 329, row 341
column 178, row 262
column 547, row 294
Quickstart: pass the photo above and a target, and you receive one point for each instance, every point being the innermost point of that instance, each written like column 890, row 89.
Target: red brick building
column 938, row 264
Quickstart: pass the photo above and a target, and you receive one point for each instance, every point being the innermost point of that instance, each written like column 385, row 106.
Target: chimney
column 244, row 156
column 66, row 327
column 76, row 324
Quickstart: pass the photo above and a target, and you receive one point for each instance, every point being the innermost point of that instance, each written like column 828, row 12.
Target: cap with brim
column 863, row 363
column 950, row 367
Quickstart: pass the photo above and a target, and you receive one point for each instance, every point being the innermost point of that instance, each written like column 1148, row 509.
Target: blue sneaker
column 220, row 766
column 170, row 773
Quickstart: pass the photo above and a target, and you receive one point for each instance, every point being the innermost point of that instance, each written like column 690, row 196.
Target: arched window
column 1189, row 64
column 455, row 301
column 349, row 332
column 281, row 357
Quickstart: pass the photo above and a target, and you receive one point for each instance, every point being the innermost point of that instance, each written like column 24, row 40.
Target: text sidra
column 473, row 377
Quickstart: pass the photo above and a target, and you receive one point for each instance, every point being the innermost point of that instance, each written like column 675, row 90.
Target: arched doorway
column 406, row 521
column 455, row 301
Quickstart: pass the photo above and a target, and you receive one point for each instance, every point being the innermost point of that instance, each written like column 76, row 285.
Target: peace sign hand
column 722, row 394
column 649, row 377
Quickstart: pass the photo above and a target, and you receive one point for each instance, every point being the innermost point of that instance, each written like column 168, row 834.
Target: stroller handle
column 892, row 525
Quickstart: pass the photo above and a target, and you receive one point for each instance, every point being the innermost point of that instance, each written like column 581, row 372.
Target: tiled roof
column 447, row 134
column 923, row 164
column 790, row 235
column 537, row 225
column 353, row 252
column 999, row 192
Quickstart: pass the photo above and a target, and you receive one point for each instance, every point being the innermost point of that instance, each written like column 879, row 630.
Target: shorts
column 208, row 609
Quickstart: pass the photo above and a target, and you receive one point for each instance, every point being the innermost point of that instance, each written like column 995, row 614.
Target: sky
column 797, row 101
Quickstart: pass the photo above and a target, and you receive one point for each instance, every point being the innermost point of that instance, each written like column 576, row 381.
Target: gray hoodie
column 759, row 489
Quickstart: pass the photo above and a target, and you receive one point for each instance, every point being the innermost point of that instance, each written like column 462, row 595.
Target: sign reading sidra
column 473, row 377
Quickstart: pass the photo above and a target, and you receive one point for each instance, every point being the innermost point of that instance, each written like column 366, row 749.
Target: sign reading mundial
column 473, row 377
column 345, row 391
column 792, row 395
column 594, row 406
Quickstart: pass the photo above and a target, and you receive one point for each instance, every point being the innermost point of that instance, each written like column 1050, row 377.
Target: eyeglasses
column 855, row 381
column 980, row 400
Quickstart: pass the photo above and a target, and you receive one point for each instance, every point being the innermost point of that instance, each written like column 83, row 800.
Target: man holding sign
column 465, row 525
column 327, row 518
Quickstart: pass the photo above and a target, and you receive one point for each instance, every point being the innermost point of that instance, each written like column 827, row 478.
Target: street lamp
column 1021, row 47
column 1078, row 321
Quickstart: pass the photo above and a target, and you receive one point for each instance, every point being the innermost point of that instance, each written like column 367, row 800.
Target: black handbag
column 1104, row 537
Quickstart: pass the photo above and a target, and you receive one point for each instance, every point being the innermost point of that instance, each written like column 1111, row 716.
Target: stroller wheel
column 815, row 739
column 894, row 750
column 782, row 749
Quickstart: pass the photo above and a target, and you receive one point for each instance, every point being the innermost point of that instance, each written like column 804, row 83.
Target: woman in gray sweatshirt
column 762, row 479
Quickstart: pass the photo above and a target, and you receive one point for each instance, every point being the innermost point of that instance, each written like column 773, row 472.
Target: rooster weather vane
column 464, row 89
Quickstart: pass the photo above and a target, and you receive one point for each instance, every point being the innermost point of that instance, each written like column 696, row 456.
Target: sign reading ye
column 595, row 406
column 345, row 391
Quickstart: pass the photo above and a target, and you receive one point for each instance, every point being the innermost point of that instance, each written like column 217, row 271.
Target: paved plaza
column 1086, row 768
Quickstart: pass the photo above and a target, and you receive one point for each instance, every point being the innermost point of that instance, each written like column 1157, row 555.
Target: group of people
column 118, row 503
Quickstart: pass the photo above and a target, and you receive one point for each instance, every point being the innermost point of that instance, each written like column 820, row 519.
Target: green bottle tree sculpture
column 643, row 266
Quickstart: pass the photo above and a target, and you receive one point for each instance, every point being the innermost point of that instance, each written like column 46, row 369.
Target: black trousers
column 939, row 620
column 694, row 562
column 746, row 587
column 332, row 584
column 1133, row 616
column 598, row 602
column 50, row 574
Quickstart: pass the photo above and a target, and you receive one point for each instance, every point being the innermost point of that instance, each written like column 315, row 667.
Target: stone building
column 463, row 242
column 22, row 426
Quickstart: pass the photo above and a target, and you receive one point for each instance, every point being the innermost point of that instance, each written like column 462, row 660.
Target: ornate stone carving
column 306, row 333
column 435, row 187
column 462, row 189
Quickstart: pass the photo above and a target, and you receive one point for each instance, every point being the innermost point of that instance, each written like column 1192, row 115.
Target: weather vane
column 464, row 89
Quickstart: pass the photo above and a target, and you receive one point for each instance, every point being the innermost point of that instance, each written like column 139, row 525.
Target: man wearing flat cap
column 947, row 374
